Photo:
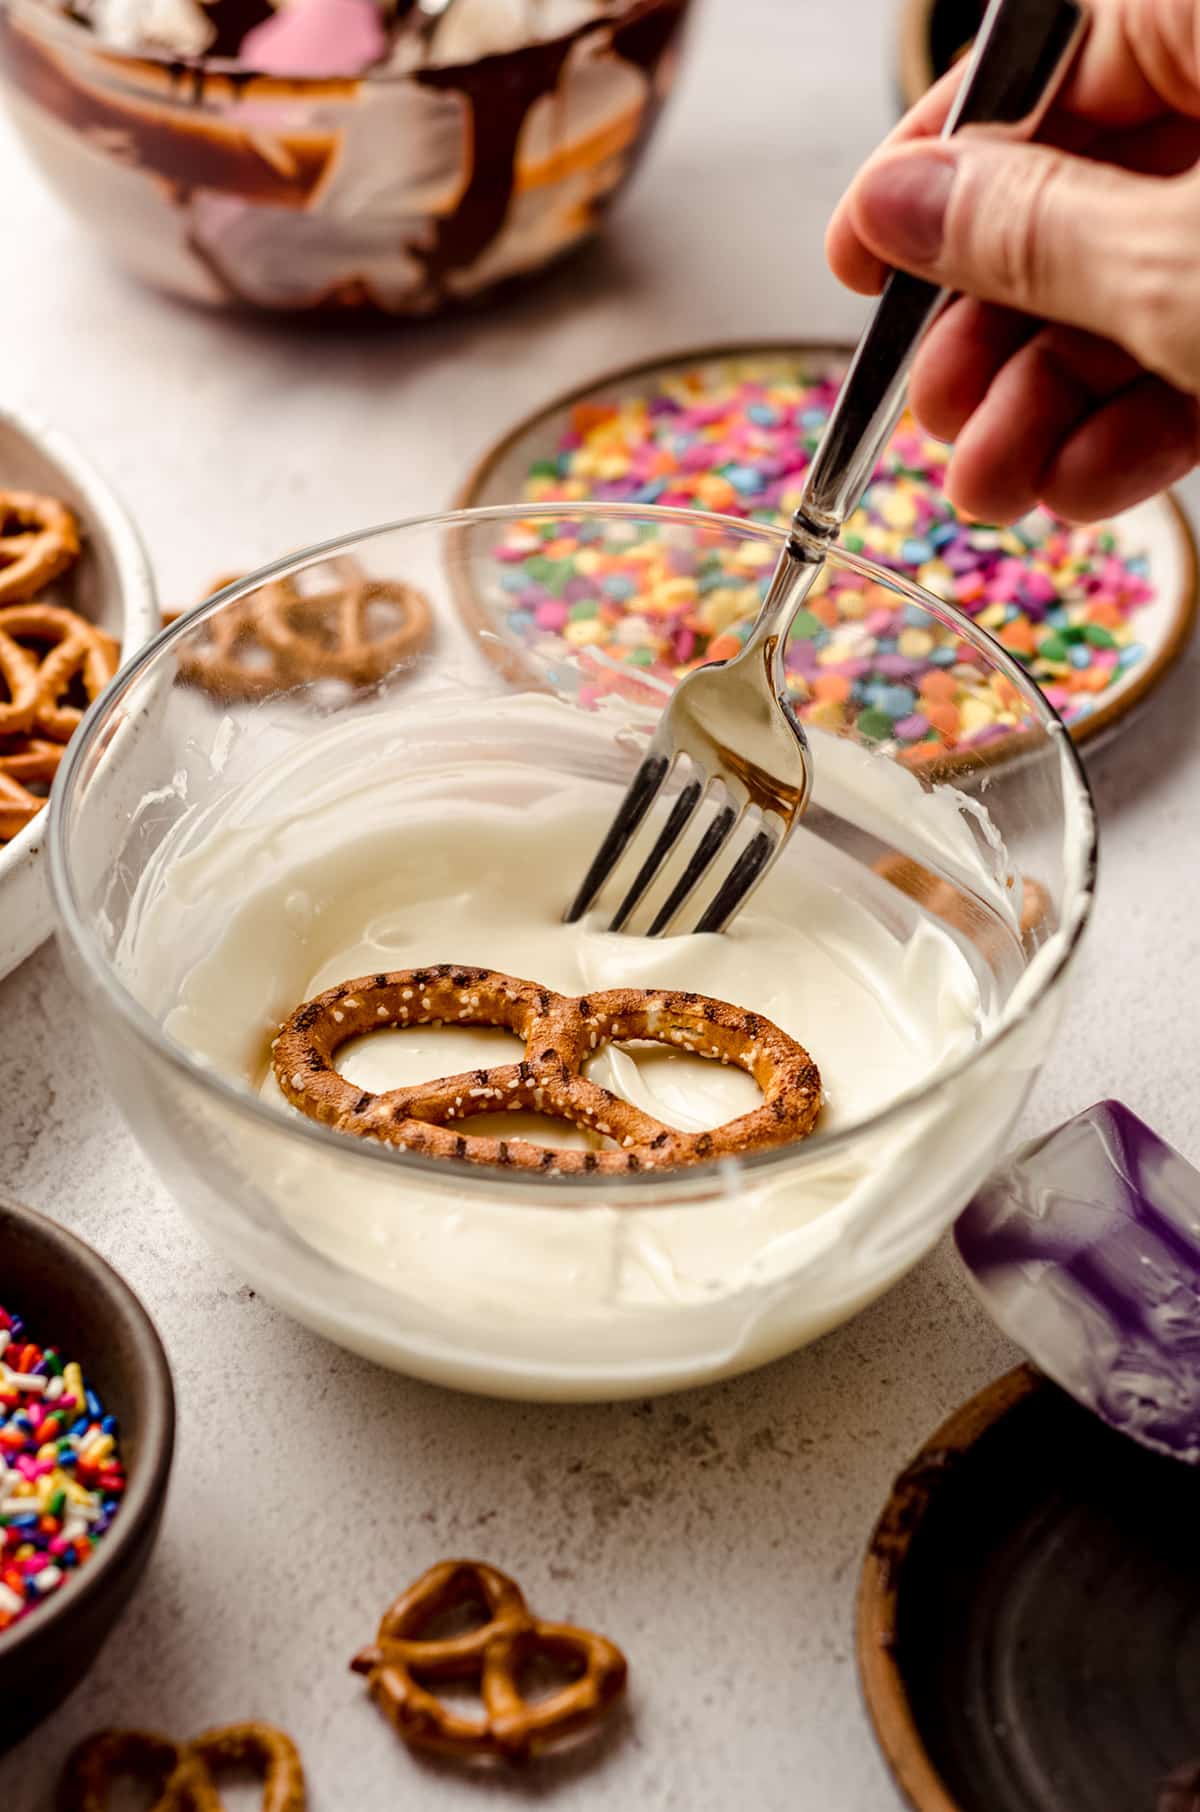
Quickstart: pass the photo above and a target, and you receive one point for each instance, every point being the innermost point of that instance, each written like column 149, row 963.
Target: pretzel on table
column 403, row 1665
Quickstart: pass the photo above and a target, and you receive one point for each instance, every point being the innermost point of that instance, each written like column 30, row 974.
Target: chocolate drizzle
column 186, row 152
column 500, row 92
column 231, row 20
column 643, row 39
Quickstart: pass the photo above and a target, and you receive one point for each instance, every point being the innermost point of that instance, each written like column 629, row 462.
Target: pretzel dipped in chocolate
column 39, row 539
column 402, row 1665
column 64, row 651
column 181, row 1775
column 561, row 1034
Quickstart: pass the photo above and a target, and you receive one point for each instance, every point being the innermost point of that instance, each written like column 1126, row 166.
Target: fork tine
column 745, row 875
column 707, row 850
column 642, row 791
column 671, row 832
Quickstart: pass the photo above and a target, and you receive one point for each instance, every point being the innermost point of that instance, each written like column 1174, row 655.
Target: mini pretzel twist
column 29, row 762
column 19, row 671
column 39, row 539
column 957, row 908
column 327, row 634
column 402, row 1665
column 181, row 1775
column 72, row 650
column 561, row 1034
column 285, row 635
column 225, row 655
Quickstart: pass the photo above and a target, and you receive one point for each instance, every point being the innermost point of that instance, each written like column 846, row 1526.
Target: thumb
column 1059, row 237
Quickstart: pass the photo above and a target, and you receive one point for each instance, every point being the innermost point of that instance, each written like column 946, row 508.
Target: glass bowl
column 317, row 775
column 401, row 190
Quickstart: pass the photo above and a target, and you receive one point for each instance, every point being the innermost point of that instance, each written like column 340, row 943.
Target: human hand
column 1068, row 371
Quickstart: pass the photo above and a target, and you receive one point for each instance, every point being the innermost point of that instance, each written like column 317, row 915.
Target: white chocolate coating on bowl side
column 348, row 861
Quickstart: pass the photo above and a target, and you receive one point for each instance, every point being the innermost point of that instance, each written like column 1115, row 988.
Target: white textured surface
column 718, row 1535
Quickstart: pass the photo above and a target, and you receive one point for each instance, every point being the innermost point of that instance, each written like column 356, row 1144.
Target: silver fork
column 732, row 721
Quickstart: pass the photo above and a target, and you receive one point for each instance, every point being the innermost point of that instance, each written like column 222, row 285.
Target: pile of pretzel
column 53, row 662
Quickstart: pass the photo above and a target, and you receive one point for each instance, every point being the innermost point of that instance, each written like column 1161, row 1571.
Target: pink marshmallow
column 316, row 38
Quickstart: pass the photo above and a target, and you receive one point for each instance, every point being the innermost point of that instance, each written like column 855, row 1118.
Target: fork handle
column 1020, row 57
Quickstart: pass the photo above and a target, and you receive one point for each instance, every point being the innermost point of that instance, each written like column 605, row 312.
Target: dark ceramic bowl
column 62, row 1288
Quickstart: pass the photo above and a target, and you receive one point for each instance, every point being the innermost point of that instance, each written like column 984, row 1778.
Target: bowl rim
column 75, row 926
column 255, row 83
column 881, row 1581
column 148, row 1482
column 105, row 516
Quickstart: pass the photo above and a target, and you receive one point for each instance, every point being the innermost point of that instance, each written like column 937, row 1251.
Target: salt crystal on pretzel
column 561, row 1035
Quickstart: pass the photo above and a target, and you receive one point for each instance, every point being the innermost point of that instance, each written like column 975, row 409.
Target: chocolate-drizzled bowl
column 338, row 155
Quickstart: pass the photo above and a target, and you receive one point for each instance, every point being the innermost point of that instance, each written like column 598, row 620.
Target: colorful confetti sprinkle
column 736, row 439
column 61, row 1477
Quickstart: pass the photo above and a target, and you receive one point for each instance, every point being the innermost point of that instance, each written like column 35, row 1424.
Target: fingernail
column 901, row 206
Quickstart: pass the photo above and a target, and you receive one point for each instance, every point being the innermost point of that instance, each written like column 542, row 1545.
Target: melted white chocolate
column 356, row 854
column 879, row 1008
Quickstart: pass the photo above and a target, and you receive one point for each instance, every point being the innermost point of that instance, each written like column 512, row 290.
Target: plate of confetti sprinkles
column 1096, row 614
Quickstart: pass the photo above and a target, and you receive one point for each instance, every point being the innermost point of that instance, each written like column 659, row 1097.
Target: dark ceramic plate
column 61, row 1286
column 1029, row 1615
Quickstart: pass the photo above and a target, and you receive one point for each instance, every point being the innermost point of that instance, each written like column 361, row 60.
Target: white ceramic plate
column 1158, row 529
column 112, row 584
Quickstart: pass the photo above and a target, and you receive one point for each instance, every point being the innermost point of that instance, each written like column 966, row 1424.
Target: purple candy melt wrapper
column 1085, row 1245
